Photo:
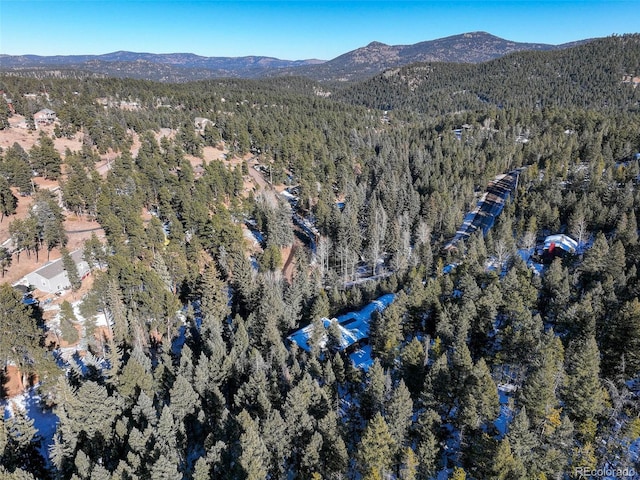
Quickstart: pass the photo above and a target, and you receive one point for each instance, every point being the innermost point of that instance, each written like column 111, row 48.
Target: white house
column 44, row 117
column 52, row 277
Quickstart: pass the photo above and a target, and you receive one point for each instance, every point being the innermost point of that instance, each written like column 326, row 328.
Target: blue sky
column 296, row 29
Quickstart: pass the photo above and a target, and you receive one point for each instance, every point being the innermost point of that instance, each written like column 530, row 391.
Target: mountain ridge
column 363, row 62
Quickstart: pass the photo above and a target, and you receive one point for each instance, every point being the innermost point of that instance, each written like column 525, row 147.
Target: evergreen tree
column 164, row 469
column 480, row 401
column 71, row 269
column 276, row 440
column 310, row 462
column 5, row 260
column 621, row 342
column 254, row 457
column 49, row 219
column 540, row 392
column 522, row 442
column 8, row 201
column 376, row 448
column 428, row 448
column 584, row 395
column 412, row 366
column 375, row 392
column 94, row 252
column 45, row 158
column 21, row 341
column 505, row 466
column 68, row 322
column 409, row 467
column 334, row 456
column 183, row 398
column 399, row 413
column 21, row 450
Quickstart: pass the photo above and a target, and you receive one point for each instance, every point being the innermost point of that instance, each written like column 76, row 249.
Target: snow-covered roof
column 354, row 326
column 565, row 242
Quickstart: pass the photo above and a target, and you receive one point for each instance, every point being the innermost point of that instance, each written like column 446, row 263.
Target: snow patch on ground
column 505, row 393
column 361, row 358
column 100, row 320
column 44, row 421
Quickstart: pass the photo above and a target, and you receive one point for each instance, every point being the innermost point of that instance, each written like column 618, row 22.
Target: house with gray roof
column 53, row 278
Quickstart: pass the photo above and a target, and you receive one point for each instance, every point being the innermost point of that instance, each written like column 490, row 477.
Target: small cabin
column 559, row 245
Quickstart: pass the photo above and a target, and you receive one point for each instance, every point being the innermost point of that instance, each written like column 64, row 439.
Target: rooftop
column 354, row 326
column 53, row 269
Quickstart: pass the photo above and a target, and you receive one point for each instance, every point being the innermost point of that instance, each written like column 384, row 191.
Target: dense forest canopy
column 589, row 76
column 493, row 361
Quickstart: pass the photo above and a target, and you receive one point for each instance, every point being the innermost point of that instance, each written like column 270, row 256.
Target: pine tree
column 83, row 464
column 409, row 467
column 556, row 289
column 523, row 443
column 202, row 469
column 594, row 263
column 68, row 322
column 334, row 455
column 254, row 457
column 505, row 466
column 49, row 220
column 310, row 462
column 21, row 338
column 621, row 341
column 100, row 473
column 386, row 332
column 22, row 442
column 183, row 398
column 166, row 436
column 5, row 260
column 375, row 391
column 428, row 449
column 276, row 440
column 413, row 359
column 458, row 474
column 164, row 469
column 584, row 395
column 93, row 411
column 484, row 393
column 8, row 201
column 399, row 413
column 376, row 448
column 45, row 158
column 17, row 474
column 540, row 392
column 253, row 395
column 136, row 375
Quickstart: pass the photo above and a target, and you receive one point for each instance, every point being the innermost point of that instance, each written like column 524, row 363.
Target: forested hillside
column 589, row 76
column 496, row 359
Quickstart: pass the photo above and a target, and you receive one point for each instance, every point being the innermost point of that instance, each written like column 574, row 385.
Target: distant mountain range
column 475, row 47
column 358, row 64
